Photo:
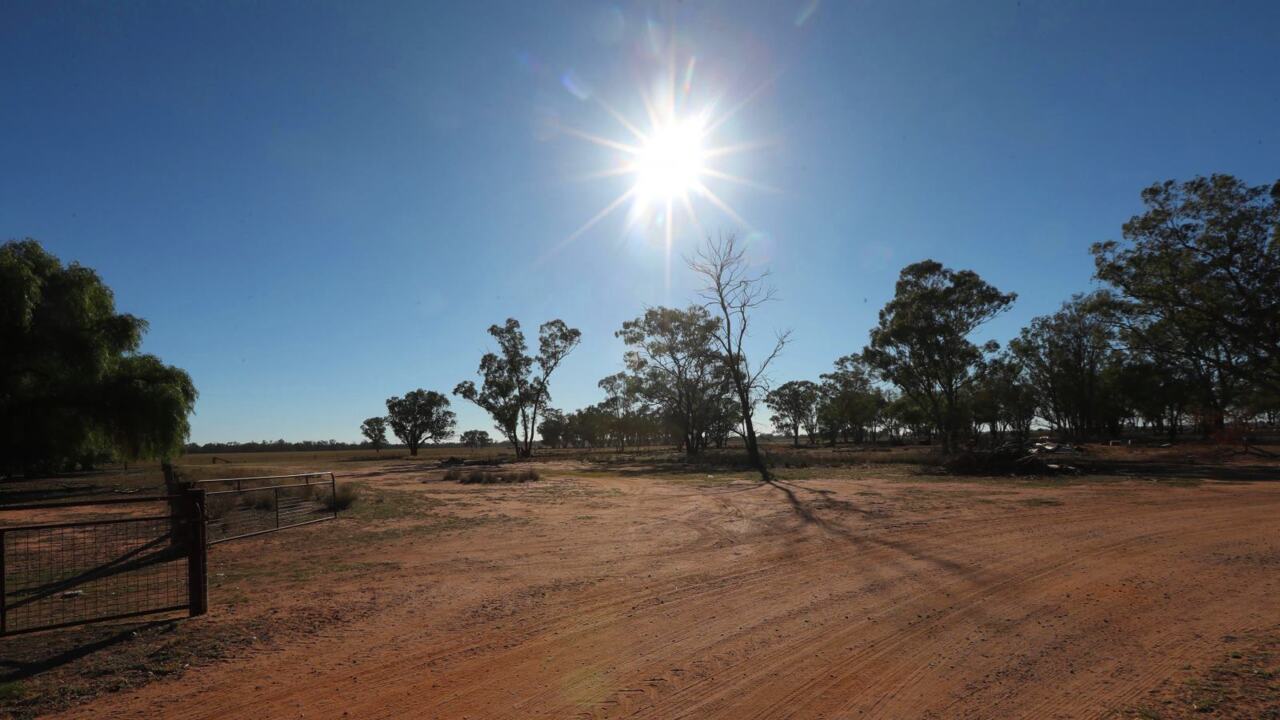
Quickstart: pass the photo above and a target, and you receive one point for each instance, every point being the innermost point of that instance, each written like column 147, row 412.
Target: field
column 858, row 585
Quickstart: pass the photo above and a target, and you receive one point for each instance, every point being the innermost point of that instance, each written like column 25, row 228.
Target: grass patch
column 386, row 504
column 12, row 691
column 436, row 525
column 491, row 477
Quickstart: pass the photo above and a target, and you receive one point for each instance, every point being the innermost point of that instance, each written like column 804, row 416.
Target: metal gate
column 241, row 507
column 61, row 574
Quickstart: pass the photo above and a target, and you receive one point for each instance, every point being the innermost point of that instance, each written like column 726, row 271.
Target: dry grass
column 491, row 477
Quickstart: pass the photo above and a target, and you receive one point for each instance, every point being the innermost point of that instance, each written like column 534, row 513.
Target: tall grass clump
column 344, row 496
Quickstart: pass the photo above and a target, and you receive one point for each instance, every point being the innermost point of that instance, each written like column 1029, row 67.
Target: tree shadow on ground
column 807, row 512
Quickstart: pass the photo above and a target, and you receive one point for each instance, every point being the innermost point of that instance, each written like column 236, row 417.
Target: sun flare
column 669, row 164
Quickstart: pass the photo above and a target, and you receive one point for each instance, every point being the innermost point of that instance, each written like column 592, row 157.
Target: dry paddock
column 874, row 592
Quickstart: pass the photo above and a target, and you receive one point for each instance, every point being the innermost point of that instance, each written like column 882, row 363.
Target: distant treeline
column 275, row 446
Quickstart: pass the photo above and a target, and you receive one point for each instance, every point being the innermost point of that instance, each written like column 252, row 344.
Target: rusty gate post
column 197, row 552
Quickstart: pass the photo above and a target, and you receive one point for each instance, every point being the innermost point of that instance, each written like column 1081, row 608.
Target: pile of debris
column 1042, row 456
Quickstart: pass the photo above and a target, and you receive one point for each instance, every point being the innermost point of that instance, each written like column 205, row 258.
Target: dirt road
column 871, row 597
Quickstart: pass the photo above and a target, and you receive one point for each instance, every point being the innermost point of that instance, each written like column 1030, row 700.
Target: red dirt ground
column 872, row 593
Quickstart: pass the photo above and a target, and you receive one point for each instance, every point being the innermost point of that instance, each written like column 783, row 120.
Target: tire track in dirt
column 695, row 640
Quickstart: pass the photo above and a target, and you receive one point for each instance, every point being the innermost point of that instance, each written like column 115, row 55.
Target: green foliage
column 922, row 345
column 554, row 428
column 515, row 387
column 795, row 407
column 1071, row 361
column 1198, row 279
column 73, row 388
column 676, row 370
column 849, row 406
column 420, row 415
column 476, row 439
column 374, row 430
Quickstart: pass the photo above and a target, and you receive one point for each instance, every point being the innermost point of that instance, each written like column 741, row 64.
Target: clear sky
column 318, row 205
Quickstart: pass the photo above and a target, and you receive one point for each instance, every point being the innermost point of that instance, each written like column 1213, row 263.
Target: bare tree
column 732, row 292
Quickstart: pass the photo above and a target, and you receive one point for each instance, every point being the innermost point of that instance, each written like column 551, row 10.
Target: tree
column 848, row 404
column 1198, row 277
column 622, row 404
column 515, row 388
column 1004, row 398
column 921, row 343
column 554, row 428
column 420, row 415
column 375, row 431
column 1065, row 356
column 73, row 387
column 476, row 439
column 732, row 293
column 795, row 405
column 676, row 370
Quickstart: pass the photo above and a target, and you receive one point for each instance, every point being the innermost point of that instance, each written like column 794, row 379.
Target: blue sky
column 318, row 205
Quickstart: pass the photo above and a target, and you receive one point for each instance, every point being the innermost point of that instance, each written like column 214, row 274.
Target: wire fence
column 56, row 575
column 251, row 506
column 65, row 574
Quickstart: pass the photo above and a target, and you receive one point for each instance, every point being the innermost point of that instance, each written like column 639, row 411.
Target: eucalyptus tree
column 553, row 429
column 419, row 416
column 475, row 439
column 849, row 404
column 675, row 367
column 1198, row 279
column 922, row 344
column 1066, row 356
column 795, row 407
column 622, row 402
column 374, row 430
column 516, row 386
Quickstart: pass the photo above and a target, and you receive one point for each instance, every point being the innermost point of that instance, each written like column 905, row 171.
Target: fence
column 55, row 575
column 61, row 574
column 248, row 507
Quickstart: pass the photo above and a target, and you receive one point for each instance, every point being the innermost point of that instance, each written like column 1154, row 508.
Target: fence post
column 4, row 592
column 197, row 553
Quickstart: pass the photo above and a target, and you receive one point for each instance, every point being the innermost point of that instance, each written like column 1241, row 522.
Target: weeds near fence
column 343, row 497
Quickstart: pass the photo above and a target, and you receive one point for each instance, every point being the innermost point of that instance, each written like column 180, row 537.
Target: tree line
column 1182, row 335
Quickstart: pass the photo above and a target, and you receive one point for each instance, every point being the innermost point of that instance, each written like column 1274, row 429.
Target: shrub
column 344, row 496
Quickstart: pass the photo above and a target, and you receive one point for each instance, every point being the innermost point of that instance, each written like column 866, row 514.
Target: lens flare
column 670, row 163
column 669, row 159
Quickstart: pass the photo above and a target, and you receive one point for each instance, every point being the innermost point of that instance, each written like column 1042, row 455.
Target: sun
column 670, row 162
